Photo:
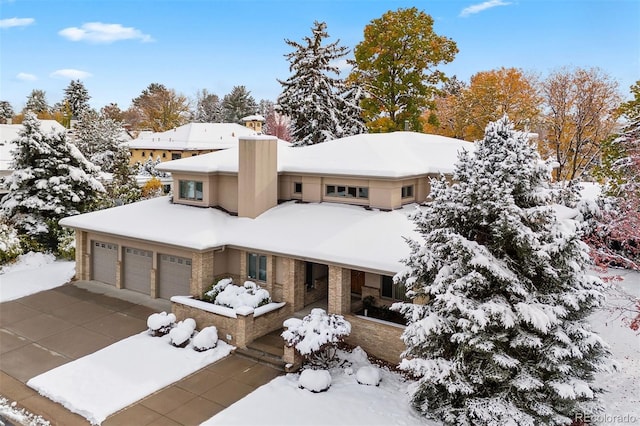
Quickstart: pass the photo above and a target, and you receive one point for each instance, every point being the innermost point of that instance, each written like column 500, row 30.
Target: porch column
column 339, row 290
column 83, row 257
column 293, row 289
column 202, row 272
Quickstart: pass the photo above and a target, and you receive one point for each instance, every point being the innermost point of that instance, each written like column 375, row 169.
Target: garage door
column 137, row 269
column 104, row 258
column 175, row 276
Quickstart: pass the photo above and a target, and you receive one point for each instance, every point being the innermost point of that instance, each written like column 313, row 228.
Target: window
column 143, row 154
column 176, row 156
column 391, row 290
column 407, row 191
column 347, row 191
column 164, row 155
column 257, row 266
column 191, row 190
column 297, row 187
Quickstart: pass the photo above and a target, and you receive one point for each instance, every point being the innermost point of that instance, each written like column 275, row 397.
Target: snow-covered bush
column 10, row 247
column 182, row 332
column 225, row 293
column 67, row 244
column 160, row 323
column 206, row 339
column 315, row 380
column 316, row 335
column 368, row 375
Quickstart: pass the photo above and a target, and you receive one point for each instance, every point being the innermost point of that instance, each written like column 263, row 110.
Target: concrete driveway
column 48, row 329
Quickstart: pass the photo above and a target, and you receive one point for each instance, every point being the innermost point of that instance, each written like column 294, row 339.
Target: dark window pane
column 387, row 286
column 363, row 192
column 352, row 191
column 262, row 269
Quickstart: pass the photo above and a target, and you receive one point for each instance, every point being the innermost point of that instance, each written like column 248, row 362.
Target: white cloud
column 341, row 64
column 477, row 8
column 98, row 32
column 26, row 77
column 16, row 22
column 70, row 73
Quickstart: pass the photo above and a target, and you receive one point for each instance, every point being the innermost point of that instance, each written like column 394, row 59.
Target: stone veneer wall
column 378, row 339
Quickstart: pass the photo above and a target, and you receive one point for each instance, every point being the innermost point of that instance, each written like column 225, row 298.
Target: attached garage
column 174, row 276
column 137, row 269
column 104, row 260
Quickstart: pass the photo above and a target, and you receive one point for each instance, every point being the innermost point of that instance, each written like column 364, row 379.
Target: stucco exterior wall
column 164, row 154
column 228, row 192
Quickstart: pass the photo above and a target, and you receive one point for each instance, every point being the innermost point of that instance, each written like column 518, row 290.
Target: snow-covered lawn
column 110, row 379
column 11, row 412
column 32, row 273
column 282, row 402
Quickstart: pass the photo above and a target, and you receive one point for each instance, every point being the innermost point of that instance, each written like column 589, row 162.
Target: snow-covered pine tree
column 503, row 337
column 51, row 179
column 6, row 111
column 37, row 102
column 77, row 98
column 316, row 99
column 98, row 138
column 238, row 104
column 148, row 168
column 208, row 108
column 123, row 188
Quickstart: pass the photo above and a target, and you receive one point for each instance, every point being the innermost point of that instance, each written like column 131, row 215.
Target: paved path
column 48, row 329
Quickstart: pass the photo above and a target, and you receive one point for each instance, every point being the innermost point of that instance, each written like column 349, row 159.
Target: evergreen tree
column 6, row 111
column 77, row 98
column 208, row 108
column 123, row 188
column 51, row 180
column 238, row 104
column 98, row 138
column 317, row 100
column 37, row 102
column 148, row 168
column 503, row 336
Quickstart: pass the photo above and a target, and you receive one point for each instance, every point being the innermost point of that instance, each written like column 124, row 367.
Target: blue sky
column 118, row 47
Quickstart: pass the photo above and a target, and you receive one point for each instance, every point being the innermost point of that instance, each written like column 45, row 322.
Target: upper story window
column 176, row 156
column 407, row 191
column 297, row 187
column 257, row 266
column 347, row 191
column 190, row 190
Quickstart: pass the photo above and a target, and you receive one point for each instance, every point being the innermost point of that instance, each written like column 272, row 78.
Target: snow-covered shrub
column 316, row 335
column 368, row 375
column 206, row 339
column 225, row 293
column 10, row 246
column 211, row 294
column 315, row 380
column 182, row 332
column 160, row 323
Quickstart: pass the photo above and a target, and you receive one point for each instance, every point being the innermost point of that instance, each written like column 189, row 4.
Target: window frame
column 407, row 191
column 184, row 190
column 398, row 292
column 347, row 191
column 257, row 266
column 297, row 185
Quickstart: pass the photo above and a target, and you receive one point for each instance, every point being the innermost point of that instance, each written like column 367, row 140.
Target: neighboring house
column 8, row 136
column 321, row 225
column 254, row 122
column 190, row 140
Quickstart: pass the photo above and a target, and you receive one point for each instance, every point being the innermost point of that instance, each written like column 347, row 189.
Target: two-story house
column 323, row 224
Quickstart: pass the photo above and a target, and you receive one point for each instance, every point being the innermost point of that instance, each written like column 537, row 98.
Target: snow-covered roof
column 392, row 155
column 9, row 133
column 325, row 232
column 255, row 117
column 193, row 136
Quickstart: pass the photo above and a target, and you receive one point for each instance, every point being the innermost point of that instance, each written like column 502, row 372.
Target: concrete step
column 262, row 357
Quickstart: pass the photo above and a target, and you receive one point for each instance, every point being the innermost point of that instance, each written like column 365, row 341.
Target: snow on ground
column 282, row 402
column 110, row 379
column 11, row 414
column 32, row 273
column 622, row 397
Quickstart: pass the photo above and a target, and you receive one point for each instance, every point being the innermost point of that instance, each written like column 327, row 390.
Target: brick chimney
column 257, row 175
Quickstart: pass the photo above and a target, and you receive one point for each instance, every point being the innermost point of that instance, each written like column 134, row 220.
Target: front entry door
column 357, row 281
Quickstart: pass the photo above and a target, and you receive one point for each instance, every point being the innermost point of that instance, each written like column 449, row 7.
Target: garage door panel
column 104, row 260
column 174, row 276
column 137, row 269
